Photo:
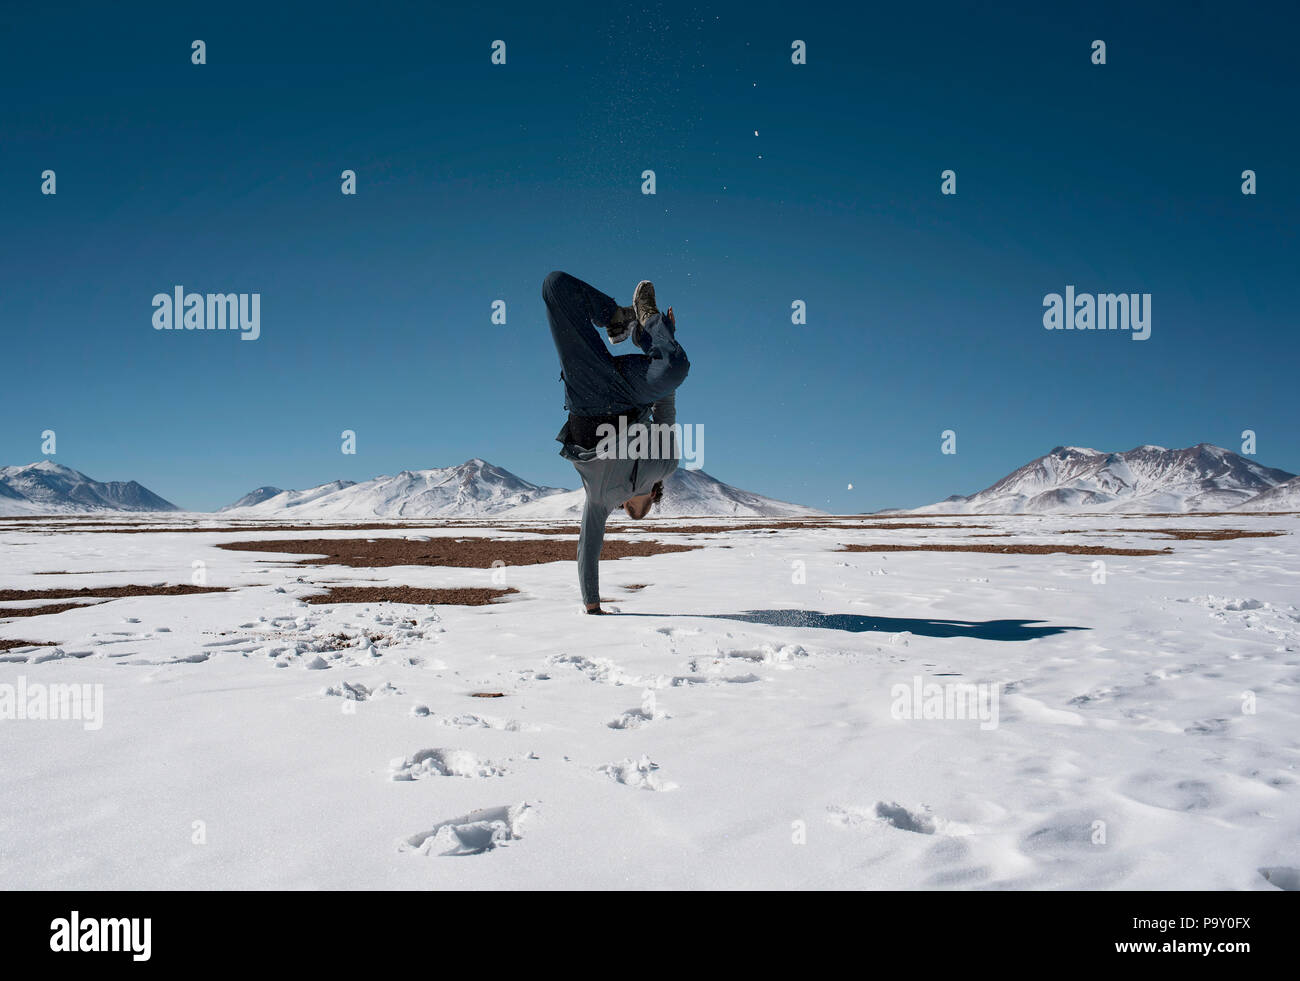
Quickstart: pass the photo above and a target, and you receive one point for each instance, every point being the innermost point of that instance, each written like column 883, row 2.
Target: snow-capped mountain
column 695, row 494
column 687, row 494
column 1147, row 479
column 50, row 488
column 1283, row 497
column 477, row 488
column 255, row 497
column 275, row 500
column 474, row 488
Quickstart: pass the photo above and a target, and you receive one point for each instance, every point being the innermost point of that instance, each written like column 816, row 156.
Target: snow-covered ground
column 1147, row 731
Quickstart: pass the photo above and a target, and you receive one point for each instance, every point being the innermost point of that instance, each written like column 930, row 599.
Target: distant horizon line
column 347, row 482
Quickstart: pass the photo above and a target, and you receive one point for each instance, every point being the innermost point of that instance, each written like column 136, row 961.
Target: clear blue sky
column 924, row 311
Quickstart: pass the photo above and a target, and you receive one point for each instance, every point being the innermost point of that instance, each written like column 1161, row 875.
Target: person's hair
column 656, row 494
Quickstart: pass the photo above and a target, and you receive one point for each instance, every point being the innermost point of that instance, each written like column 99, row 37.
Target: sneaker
column 643, row 301
column 620, row 324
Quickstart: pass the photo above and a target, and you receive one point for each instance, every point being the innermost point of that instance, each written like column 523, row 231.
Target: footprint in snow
column 637, row 718
column 360, row 693
column 1208, row 726
column 642, row 774
column 918, row 820
column 905, row 819
column 1163, row 790
column 442, row 763
column 678, row 631
column 150, row 662
column 599, row 669
column 39, row 654
column 473, row 834
column 470, row 720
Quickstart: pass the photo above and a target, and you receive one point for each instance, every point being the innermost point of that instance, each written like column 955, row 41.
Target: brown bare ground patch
column 1206, row 514
column 9, row 645
column 411, row 524
column 1022, row 549
column 784, row 525
column 1130, row 516
column 654, row 528
column 849, row 523
column 634, row 586
column 111, row 527
column 1182, row 534
column 410, row 594
column 431, row 525
column 105, row 592
column 460, row 553
column 1206, row 534
column 563, row 528
column 93, row 594
column 48, row 609
column 244, row 529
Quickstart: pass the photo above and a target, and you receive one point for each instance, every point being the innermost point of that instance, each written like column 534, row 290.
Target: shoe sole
column 644, row 282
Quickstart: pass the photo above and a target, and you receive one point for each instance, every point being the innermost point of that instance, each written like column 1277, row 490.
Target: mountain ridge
column 687, row 494
column 478, row 488
column 1284, row 497
column 1147, row 478
column 46, row 487
column 471, row 489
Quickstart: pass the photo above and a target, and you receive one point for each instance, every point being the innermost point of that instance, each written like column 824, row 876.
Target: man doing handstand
column 599, row 390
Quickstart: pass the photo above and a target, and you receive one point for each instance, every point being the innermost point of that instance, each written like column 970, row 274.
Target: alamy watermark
column 1101, row 311
column 102, row 934
column 651, row 441
column 57, row 702
column 949, row 701
column 179, row 310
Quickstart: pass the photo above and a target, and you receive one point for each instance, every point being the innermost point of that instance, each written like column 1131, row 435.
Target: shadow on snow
column 856, row 624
